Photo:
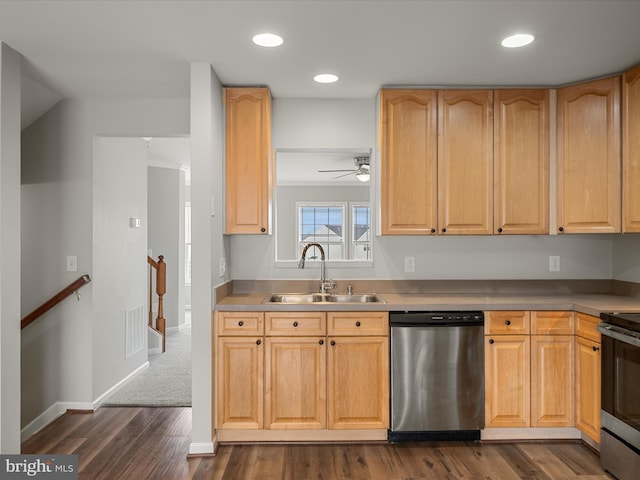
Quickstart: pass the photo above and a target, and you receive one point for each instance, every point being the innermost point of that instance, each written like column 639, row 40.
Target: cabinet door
column 465, row 161
column 588, row 387
column 408, row 143
column 631, row 151
column 552, row 381
column 521, row 161
column 589, row 157
column 295, row 383
column 249, row 165
column 240, row 382
column 358, row 382
column 507, row 381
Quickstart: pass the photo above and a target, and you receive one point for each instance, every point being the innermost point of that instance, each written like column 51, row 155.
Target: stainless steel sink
column 302, row 298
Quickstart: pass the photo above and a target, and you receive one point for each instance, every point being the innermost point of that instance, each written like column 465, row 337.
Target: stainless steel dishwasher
column 437, row 376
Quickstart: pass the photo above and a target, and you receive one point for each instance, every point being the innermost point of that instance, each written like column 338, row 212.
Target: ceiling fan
column 361, row 171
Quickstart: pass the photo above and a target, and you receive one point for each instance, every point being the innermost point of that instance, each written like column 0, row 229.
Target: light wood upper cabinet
column 408, row 175
column 465, row 161
column 631, row 151
column 521, row 161
column 589, row 157
column 249, row 164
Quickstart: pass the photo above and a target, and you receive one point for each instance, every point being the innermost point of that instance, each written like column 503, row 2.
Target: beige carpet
column 167, row 380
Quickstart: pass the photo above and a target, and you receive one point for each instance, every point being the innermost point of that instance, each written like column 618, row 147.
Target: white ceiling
column 142, row 49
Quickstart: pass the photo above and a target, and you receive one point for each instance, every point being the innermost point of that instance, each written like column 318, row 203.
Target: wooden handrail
column 53, row 301
column 161, row 288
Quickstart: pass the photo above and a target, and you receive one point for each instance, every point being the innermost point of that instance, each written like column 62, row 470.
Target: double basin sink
column 306, row 298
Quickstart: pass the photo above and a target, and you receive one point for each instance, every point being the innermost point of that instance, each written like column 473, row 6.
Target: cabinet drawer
column 295, row 323
column 358, row 323
column 507, row 323
column 552, row 323
column 240, row 323
column 586, row 326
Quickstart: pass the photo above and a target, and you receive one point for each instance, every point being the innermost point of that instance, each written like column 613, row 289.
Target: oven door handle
column 618, row 333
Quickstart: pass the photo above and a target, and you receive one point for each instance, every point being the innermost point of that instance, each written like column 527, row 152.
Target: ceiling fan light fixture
column 363, row 175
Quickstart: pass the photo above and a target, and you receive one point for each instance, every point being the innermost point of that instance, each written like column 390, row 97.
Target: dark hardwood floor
column 152, row 443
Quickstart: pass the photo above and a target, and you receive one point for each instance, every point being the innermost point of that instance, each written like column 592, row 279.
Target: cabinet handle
column 240, row 323
column 295, row 324
column 263, row 229
column 491, row 341
column 433, row 230
column 357, row 324
column 444, row 230
column 500, row 230
column 561, row 229
column 321, row 342
column 258, row 342
column 595, row 349
column 507, row 322
column 333, row 342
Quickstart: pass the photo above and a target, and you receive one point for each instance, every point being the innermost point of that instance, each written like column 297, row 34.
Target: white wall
column 321, row 123
column 10, row 288
column 57, row 190
column 208, row 243
column 166, row 235
column 119, row 264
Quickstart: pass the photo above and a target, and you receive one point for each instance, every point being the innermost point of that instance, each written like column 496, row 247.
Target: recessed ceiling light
column 268, row 40
column 326, row 78
column 518, row 40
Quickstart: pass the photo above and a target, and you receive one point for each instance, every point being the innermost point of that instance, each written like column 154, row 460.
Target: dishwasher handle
column 436, row 319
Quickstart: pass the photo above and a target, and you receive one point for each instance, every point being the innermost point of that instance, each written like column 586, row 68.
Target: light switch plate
column 72, row 263
column 409, row 264
column 554, row 263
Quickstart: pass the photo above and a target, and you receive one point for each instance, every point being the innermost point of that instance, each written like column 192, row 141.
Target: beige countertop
column 590, row 303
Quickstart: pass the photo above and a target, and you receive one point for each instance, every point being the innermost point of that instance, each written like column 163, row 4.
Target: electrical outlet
column 554, row 263
column 409, row 264
column 223, row 266
column 72, row 263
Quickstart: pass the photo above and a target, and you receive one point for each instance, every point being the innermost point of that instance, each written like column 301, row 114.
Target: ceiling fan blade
column 332, row 171
column 352, row 172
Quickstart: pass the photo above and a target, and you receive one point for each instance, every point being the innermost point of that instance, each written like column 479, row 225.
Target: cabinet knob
column 321, row 342
column 357, row 324
column 433, row 230
column 444, row 230
column 491, row 341
column 258, row 342
column 500, row 230
column 333, row 342
column 240, row 323
column 295, row 324
column 595, row 349
column 561, row 229
column 507, row 322
column 263, row 229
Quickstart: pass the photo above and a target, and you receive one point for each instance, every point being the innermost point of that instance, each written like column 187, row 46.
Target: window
column 361, row 232
column 324, row 224
column 343, row 230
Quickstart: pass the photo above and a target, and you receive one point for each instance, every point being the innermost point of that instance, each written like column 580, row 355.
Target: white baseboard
column 49, row 415
column 201, row 448
column 100, row 400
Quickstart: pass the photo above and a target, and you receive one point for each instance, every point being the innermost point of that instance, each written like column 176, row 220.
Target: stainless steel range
column 620, row 415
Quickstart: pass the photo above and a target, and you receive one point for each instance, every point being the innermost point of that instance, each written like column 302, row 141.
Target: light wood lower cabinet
column 529, row 369
column 588, row 376
column 307, row 371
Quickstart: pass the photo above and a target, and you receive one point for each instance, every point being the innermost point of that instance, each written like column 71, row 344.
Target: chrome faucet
column 324, row 284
